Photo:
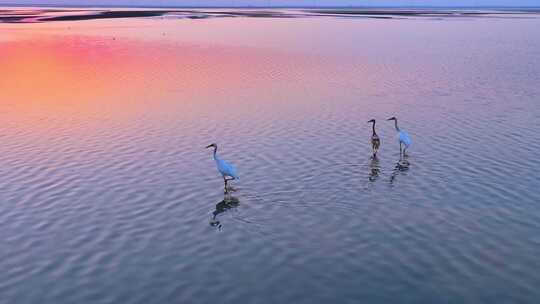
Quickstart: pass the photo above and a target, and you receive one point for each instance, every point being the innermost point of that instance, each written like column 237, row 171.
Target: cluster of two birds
column 403, row 138
column 228, row 172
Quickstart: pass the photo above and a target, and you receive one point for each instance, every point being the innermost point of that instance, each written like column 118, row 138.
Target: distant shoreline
column 443, row 8
column 30, row 14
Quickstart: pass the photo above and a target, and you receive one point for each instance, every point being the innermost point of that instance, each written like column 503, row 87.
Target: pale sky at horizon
column 281, row 2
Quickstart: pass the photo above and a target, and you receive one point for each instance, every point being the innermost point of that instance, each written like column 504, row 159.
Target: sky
column 281, row 2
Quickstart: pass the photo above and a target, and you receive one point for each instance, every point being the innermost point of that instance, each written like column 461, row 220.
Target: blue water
column 121, row 203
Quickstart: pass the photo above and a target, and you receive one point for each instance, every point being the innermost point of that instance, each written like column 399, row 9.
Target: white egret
column 375, row 140
column 403, row 137
column 225, row 169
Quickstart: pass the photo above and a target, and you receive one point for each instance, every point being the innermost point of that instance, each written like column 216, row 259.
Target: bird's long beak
column 391, row 118
column 209, row 146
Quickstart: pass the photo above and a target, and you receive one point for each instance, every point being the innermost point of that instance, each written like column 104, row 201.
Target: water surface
column 108, row 195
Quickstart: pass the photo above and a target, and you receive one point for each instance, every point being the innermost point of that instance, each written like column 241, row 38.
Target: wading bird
column 403, row 137
column 224, row 168
column 375, row 140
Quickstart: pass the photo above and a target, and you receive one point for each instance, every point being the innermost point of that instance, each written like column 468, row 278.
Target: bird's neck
column 215, row 152
column 373, row 127
column 395, row 123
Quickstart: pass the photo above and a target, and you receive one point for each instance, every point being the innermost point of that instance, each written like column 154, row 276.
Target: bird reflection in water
column 401, row 166
column 228, row 202
column 374, row 169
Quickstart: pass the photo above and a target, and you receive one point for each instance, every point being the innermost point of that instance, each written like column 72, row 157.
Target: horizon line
column 276, row 7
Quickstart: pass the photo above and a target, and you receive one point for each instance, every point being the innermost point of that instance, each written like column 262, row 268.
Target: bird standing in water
column 375, row 140
column 403, row 137
column 225, row 169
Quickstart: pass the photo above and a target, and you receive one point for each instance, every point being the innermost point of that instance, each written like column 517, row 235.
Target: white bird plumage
column 227, row 171
column 403, row 137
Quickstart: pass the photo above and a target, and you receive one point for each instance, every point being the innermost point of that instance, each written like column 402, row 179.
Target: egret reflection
column 229, row 202
column 374, row 169
column 401, row 166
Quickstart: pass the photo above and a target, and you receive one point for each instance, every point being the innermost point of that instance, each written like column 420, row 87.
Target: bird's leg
column 400, row 150
column 230, row 188
column 225, row 188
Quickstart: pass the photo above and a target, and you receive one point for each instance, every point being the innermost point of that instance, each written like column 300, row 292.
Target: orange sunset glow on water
column 53, row 70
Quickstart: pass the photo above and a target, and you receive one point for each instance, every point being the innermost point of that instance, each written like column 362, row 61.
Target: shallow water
column 108, row 195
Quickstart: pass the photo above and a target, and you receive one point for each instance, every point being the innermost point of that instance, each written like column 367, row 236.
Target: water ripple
column 112, row 198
